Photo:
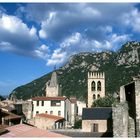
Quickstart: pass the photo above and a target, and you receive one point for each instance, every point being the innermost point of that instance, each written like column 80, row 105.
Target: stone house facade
column 46, row 121
column 58, row 106
column 27, row 108
column 97, row 119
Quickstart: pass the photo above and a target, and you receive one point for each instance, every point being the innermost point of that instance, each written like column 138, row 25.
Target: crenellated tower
column 96, row 86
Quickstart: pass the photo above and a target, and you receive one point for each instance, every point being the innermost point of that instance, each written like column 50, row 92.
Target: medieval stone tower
column 96, row 86
column 52, row 87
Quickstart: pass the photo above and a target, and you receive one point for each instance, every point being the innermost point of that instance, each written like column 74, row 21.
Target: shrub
column 78, row 124
column 107, row 101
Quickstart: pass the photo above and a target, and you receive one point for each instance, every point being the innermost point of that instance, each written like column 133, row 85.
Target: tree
column 107, row 101
column 78, row 124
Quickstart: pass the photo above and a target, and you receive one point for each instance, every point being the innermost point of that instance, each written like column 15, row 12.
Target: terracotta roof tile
column 22, row 130
column 48, row 98
column 53, row 117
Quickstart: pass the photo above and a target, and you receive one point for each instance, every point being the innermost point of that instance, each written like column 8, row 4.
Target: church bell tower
column 96, row 86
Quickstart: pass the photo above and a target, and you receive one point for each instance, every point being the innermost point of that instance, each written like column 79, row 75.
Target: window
column 42, row 103
column 37, row 112
column 46, row 112
column 37, row 103
column 59, row 113
column 98, row 96
column 99, row 86
column 51, row 112
column 55, row 103
column 94, row 96
column 93, row 86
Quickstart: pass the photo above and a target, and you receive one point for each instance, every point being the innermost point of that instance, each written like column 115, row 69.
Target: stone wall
column 87, row 125
column 44, row 123
column 120, row 120
column 27, row 110
column 137, row 100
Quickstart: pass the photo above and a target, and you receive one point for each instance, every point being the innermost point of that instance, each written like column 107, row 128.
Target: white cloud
column 76, row 43
column 57, row 58
column 74, row 28
column 42, row 52
column 33, row 31
column 6, row 46
column 42, row 34
column 16, row 36
column 75, row 38
column 132, row 19
column 59, row 21
column 45, row 25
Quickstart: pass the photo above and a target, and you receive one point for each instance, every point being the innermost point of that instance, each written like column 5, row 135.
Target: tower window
column 98, row 96
column 99, row 86
column 94, row 96
column 93, row 86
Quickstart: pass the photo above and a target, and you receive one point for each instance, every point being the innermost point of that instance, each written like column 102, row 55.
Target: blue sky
column 34, row 37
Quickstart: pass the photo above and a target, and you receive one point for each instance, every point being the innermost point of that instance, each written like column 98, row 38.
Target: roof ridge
column 54, row 117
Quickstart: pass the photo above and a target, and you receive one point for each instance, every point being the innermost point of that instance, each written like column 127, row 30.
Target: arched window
column 93, row 86
column 99, row 86
column 98, row 96
column 94, row 96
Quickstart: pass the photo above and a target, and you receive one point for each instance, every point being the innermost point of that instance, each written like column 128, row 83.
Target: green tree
column 107, row 101
column 78, row 124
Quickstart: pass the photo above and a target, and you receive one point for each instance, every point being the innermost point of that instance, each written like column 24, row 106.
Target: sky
column 36, row 37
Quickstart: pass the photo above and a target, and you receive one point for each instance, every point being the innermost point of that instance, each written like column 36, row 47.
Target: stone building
column 54, row 104
column 97, row 119
column 73, row 110
column 58, row 106
column 126, row 114
column 9, row 118
column 27, row 109
column 53, row 89
column 96, row 86
column 46, row 121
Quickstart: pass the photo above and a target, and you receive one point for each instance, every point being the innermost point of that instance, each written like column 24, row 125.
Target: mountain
column 1, row 98
column 119, row 67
